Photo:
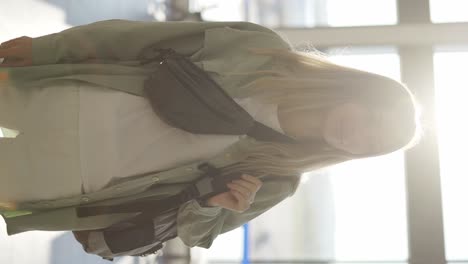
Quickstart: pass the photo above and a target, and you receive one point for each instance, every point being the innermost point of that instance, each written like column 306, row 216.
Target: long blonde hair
column 300, row 81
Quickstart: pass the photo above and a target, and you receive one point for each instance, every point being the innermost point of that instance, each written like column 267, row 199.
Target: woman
column 81, row 143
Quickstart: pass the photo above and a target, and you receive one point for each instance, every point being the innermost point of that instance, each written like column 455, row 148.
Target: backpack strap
column 209, row 184
column 264, row 133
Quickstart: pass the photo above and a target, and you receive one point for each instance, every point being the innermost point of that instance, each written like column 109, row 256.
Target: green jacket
column 220, row 48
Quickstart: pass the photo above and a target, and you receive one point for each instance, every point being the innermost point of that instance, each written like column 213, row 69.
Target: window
column 443, row 11
column 451, row 83
column 361, row 12
column 217, row 10
column 301, row 13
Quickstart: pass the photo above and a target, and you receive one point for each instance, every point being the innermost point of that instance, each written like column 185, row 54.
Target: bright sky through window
column 344, row 13
column 451, row 94
column 443, row 11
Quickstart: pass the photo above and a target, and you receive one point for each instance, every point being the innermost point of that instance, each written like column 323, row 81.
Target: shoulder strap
column 208, row 184
column 264, row 133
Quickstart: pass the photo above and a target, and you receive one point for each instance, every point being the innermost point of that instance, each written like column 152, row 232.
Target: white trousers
column 42, row 161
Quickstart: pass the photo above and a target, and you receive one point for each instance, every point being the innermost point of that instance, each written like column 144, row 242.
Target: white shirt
column 121, row 136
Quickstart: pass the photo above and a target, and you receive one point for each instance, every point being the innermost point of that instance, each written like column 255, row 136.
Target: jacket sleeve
column 199, row 226
column 125, row 39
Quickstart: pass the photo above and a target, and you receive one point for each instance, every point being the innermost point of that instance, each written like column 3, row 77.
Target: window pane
column 451, row 93
column 361, row 12
column 370, row 209
column 233, row 241
column 353, row 211
column 218, row 10
column 449, row 11
column 301, row 13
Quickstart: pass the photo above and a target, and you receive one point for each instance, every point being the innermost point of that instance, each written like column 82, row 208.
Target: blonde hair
column 299, row 81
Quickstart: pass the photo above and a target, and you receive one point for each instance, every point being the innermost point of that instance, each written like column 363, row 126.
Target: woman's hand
column 240, row 196
column 16, row 52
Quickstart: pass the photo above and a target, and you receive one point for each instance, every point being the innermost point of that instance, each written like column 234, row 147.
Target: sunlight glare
column 451, row 82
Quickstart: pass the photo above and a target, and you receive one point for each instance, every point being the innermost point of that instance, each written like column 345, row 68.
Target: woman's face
column 356, row 129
